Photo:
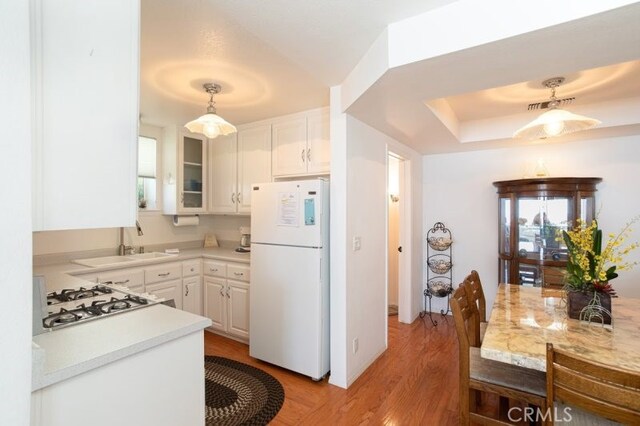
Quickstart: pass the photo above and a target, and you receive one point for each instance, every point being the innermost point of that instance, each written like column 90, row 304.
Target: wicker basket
column 439, row 243
column 440, row 266
column 440, row 288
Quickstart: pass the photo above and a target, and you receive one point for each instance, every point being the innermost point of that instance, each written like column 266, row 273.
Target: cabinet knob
column 121, row 282
column 228, row 293
column 302, row 155
column 166, row 274
column 309, row 154
column 239, row 198
column 213, row 269
column 233, row 197
column 222, row 292
column 238, row 274
column 193, row 269
column 186, row 291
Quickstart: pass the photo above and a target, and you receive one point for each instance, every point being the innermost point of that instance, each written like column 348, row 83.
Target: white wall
column 458, row 191
column 366, row 268
column 15, row 216
column 157, row 229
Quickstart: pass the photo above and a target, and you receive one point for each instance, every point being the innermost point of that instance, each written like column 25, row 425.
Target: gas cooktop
column 73, row 306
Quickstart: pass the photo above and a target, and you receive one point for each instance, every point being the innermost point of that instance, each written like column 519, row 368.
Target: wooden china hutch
column 531, row 211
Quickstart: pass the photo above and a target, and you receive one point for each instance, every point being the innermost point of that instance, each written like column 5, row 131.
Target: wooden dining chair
column 606, row 391
column 478, row 374
column 476, row 295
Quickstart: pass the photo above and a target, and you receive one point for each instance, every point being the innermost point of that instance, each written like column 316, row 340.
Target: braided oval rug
column 239, row 394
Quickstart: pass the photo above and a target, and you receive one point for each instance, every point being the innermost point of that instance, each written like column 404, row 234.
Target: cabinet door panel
column 191, row 300
column 254, row 162
column 192, row 173
column 168, row 290
column 318, row 144
column 238, row 305
column 215, row 302
column 85, row 54
column 289, row 141
column 223, row 174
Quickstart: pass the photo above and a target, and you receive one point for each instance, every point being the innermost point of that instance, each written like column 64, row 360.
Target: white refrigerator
column 289, row 294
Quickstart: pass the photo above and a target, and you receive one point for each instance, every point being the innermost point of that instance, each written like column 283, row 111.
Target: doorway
column 395, row 186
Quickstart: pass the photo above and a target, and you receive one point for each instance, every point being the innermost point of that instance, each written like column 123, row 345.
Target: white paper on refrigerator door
column 288, row 209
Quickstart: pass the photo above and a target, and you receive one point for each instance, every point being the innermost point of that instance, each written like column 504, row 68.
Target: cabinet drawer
column 238, row 272
column 191, row 268
column 161, row 273
column 127, row 277
column 215, row 269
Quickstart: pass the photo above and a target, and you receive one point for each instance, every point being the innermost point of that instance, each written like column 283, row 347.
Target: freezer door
column 291, row 213
column 289, row 309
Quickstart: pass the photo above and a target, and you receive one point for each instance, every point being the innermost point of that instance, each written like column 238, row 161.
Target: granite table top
column 524, row 319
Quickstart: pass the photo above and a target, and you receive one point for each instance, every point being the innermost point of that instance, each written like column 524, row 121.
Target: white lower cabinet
column 226, row 298
column 238, row 309
column 191, row 286
column 191, row 291
column 133, row 279
column 168, row 290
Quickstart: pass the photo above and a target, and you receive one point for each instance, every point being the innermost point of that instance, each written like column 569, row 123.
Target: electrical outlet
column 355, row 345
column 356, row 243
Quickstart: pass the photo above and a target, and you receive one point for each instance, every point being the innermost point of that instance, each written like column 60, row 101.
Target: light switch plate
column 356, row 243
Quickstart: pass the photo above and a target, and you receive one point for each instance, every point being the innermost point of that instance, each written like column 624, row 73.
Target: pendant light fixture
column 211, row 125
column 556, row 121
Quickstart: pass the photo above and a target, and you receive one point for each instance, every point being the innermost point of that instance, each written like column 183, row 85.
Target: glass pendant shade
column 211, row 125
column 555, row 122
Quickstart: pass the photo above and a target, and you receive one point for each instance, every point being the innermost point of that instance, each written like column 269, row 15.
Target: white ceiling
column 281, row 56
column 271, row 57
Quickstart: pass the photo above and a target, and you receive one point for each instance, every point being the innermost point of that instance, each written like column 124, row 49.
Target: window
column 147, row 172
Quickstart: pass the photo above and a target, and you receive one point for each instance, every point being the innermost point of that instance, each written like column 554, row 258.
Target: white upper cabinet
column 184, row 172
column 301, row 144
column 85, row 106
column 318, row 145
column 236, row 162
column 254, row 162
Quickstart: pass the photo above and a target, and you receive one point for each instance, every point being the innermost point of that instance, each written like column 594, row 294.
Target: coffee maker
column 245, row 239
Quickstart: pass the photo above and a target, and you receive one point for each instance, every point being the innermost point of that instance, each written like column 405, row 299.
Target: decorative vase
column 597, row 310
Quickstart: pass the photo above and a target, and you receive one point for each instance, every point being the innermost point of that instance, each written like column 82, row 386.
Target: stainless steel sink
column 95, row 262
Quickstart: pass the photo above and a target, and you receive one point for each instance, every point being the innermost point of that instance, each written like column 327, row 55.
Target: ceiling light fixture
column 211, row 125
column 556, row 121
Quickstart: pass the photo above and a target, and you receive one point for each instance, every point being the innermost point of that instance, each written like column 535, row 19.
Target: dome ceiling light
column 556, row 121
column 211, row 125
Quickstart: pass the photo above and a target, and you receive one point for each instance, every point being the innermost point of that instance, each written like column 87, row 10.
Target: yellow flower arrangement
column 589, row 266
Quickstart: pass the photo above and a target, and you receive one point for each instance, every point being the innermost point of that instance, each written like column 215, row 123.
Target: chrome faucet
column 122, row 249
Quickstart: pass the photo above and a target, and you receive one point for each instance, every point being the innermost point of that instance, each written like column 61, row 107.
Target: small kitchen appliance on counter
column 77, row 305
column 245, row 240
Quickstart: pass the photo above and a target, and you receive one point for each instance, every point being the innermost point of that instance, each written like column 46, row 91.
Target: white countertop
column 61, row 275
column 64, row 353
column 70, row 351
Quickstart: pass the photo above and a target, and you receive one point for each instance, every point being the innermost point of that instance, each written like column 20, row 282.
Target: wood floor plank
column 414, row 382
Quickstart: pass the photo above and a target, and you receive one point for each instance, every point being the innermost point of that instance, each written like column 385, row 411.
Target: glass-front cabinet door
column 193, row 172
column 532, row 215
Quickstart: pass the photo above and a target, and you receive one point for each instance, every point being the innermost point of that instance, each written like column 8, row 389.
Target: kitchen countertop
column 63, row 275
column 62, row 354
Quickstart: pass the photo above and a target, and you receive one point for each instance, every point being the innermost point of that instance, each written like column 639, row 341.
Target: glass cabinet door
column 532, row 214
column 192, row 173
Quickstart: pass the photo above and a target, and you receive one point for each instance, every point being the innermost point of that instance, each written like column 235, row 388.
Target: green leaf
column 597, row 241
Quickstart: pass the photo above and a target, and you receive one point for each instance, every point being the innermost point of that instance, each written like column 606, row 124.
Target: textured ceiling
column 281, row 56
column 271, row 57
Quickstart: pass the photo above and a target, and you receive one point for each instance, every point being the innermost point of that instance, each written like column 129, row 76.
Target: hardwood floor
column 415, row 382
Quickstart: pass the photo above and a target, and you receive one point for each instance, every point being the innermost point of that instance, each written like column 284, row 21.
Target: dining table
column 524, row 319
